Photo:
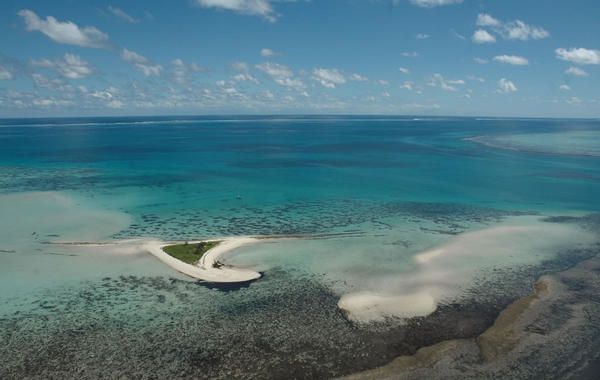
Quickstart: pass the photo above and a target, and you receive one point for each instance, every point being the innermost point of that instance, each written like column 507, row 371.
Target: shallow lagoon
column 362, row 198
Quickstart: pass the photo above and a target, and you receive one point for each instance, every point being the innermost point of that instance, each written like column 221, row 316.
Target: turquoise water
column 276, row 161
column 362, row 197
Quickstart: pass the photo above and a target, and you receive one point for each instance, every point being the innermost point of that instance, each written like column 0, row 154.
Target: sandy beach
column 205, row 269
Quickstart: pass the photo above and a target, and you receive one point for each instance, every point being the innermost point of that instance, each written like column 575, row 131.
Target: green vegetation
column 190, row 253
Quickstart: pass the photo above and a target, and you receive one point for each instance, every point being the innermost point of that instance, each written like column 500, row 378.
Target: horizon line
column 307, row 115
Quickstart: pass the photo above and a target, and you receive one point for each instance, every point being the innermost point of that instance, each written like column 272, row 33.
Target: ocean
column 368, row 223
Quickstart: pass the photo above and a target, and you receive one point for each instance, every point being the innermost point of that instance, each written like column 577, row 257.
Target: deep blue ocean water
column 273, row 160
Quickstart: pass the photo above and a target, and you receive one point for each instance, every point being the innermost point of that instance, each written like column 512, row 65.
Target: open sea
column 407, row 219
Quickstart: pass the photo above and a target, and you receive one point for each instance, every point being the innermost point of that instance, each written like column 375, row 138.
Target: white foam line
column 205, row 269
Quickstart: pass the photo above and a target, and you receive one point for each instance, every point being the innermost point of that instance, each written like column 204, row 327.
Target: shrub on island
column 190, row 253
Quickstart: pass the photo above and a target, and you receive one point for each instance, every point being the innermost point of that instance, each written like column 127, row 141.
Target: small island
column 200, row 259
column 190, row 253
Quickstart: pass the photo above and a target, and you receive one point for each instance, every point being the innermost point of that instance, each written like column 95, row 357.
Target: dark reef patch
column 287, row 325
column 309, row 217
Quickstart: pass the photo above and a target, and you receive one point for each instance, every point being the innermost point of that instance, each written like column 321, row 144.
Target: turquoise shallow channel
column 463, row 212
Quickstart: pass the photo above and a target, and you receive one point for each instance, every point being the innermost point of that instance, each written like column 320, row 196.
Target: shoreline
column 206, row 268
column 524, row 325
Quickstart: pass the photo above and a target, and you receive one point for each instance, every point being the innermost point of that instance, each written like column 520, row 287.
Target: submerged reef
column 308, row 217
column 286, row 325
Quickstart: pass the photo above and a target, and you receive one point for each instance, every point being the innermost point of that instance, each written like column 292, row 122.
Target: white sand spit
column 373, row 307
column 206, row 269
column 443, row 272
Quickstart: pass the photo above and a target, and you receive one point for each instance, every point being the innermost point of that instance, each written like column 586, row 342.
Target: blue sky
column 415, row 57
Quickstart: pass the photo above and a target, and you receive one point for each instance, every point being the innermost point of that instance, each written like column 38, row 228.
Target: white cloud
column 437, row 80
column 268, row 53
column 513, row 30
column 576, row 71
column 505, row 86
column 434, row 3
column 565, row 87
column 579, row 56
column 483, row 37
column 103, row 95
column 457, row 35
column 262, row 8
column 122, row 15
column 275, row 69
column 241, row 67
column 410, row 54
column 244, row 77
column 419, row 106
column 484, row 19
column 408, row 86
column 71, row 66
column 422, row 36
column 268, row 95
column 475, row 78
column 404, row 70
column 65, row 32
column 49, row 102
column 329, row 78
column 115, row 103
column 243, row 73
column 574, row 101
column 228, row 91
column 480, row 61
column 5, row 74
column 518, row 30
column 181, row 71
column 512, row 60
column 41, row 81
column 141, row 63
column 282, row 75
column 107, row 97
column 358, row 78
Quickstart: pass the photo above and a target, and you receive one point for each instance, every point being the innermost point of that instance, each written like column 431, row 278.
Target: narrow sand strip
column 205, row 269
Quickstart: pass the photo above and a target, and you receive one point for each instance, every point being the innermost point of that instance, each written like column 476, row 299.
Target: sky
column 505, row 58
